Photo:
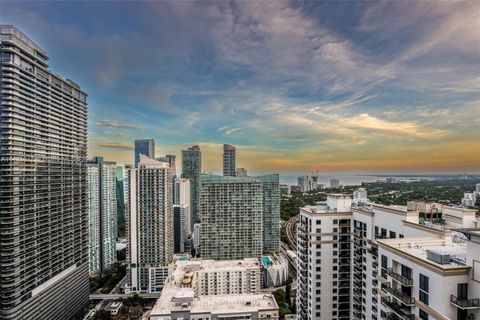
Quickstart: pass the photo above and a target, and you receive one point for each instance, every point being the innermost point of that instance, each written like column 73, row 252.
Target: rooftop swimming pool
column 266, row 261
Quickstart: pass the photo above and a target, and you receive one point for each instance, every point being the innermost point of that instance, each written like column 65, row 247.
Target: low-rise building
column 274, row 270
column 208, row 289
column 210, row 277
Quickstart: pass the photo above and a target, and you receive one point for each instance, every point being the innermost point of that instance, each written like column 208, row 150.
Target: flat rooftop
column 419, row 247
column 216, row 304
column 209, row 264
column 322, row 209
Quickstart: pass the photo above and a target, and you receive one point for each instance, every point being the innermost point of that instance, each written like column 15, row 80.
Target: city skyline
column 294, row 87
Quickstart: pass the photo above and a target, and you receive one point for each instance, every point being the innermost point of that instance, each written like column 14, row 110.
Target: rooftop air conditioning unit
column 438, row 257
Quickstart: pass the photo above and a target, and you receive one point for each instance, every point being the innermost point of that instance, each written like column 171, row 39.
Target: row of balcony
column 402, row 313
column 402, row 297
column 465, row 303
column 398, row 277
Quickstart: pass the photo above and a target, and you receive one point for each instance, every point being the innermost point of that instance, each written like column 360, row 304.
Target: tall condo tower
column 229, row 159
column 271, row 212
column 149, row 224
column 191, row 169
column 231, row 211
column 102, row 214
column 43, row 210
column 145, row 147
column 182, row 216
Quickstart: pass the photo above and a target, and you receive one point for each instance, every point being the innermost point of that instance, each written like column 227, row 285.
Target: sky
column 336, row 86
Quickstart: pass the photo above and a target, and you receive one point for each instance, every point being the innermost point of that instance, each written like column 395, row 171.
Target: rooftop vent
column 438, row 257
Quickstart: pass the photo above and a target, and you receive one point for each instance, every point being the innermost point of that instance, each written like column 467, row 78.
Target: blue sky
column 296, row 86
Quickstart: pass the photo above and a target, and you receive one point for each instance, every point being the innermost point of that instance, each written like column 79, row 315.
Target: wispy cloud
column 116, row 124
column 292, row 84
column 114, row 145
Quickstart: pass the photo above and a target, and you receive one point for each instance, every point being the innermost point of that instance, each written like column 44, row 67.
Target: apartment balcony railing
column 465, row 303
column 402, row 279
column 400, row 312
column 399, row 295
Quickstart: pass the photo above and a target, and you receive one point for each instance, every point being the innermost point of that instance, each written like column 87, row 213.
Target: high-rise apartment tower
column 102, row 214
column 43, row 213
column 149, row 224
column 229, row 160
column 191, row 169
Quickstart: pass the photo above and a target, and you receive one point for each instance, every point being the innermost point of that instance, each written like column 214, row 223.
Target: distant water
column 345, row 180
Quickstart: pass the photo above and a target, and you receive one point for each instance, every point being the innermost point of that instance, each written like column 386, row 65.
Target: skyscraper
column 145, row 147
column 43, row 213
column 191, row 169
column 170, row 158
column 149, row 222
column 304, row 183
column 229, row 155
column 270, row 212
column 182, row 216
column 230, row 217
column 334, row 183
column 102, row 214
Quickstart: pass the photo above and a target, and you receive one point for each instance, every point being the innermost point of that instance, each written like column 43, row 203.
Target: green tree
column 102, row 315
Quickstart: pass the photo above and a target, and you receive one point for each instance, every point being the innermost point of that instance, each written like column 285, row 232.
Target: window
column 423, row 282
column 393, row 235
column 462, row 291
column 406, row 272
column 423, row 315
column 318, row 222
column 384, row 262
column 384, row 232
column 423, row 296
column 6, row 57
column 335, row 221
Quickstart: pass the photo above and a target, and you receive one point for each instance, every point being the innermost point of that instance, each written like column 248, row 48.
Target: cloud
column 227, row 130
column 116, row 124
column 232, row 130
column 114, row 145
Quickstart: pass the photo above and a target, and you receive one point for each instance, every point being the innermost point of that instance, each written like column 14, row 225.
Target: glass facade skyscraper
column 271, row 212
column 229, row 161
column 231, row 221
column 43, row 204
column 102, row 214
column 191, row 169
column 145, row 147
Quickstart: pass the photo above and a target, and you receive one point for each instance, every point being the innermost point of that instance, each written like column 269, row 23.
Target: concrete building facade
column 343, row 276
column 102, row 214
column 43, row 211
column 207, row 289
column 149, row 224
column 229, row 160
column 191, row 170
column 231, row 210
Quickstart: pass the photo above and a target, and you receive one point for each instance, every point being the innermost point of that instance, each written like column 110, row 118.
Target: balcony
column 402, row 313
column 465, row 303
column 398, row 277
column 399, row 295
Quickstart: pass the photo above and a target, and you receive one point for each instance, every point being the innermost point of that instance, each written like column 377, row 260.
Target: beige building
column 207, row 289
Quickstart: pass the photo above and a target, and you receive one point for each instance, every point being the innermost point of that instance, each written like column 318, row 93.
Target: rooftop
column 422, row 248
column 321, row 209
column 220, row 304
